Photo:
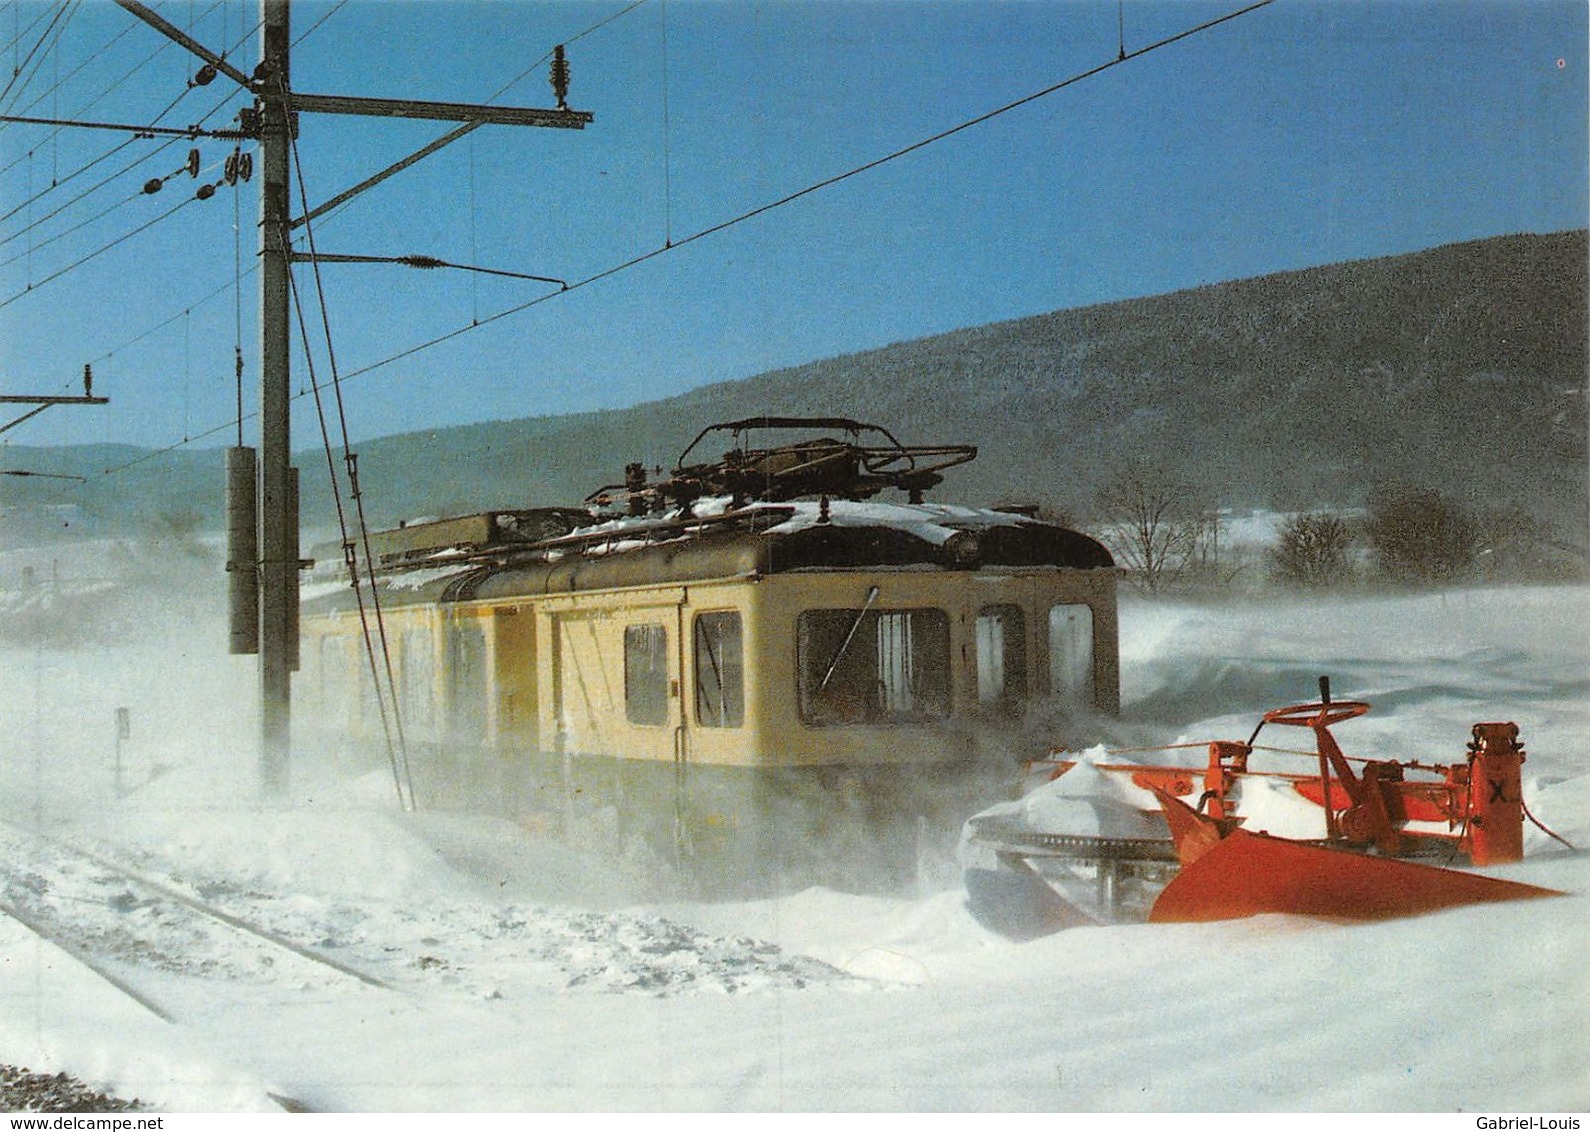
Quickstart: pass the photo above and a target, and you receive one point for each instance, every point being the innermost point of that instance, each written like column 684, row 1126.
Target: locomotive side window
column 370, row 702
column 646, row 675
column 419, row 707
column 334, row 679
column 720, row 670
column 1071, row 655
column 1001, row 633
column 466, row 666
column 867, row 666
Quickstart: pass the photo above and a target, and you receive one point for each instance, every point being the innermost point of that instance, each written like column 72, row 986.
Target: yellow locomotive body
column 734, row 680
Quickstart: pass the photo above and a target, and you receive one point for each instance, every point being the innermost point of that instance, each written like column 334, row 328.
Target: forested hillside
column 1462, row 367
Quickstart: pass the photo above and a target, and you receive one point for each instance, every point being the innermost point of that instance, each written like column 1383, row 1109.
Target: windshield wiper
column 872, row 596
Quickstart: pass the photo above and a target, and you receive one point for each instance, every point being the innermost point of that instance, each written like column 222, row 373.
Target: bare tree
column 1157, row 527
column 1312, row 551
column 1419, row 535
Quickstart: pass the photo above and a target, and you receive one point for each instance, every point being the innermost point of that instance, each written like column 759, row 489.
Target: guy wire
column 400, row 756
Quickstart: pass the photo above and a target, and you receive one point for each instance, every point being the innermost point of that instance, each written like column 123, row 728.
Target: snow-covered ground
column 518, row 974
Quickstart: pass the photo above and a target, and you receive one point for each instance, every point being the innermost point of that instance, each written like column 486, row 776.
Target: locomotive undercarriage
column 723, row 832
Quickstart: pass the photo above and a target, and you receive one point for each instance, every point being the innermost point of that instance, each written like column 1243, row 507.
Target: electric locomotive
column 747, row 665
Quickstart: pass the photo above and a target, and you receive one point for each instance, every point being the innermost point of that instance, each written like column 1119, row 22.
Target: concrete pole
column 278, row 517
column 276, row 498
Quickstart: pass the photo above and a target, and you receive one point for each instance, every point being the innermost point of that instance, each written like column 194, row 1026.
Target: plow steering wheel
column 1318, row 713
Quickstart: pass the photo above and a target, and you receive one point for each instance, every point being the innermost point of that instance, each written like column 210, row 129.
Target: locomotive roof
column 710, row 539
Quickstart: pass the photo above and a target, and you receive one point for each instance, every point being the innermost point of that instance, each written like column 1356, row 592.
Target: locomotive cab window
column 1001, row 633
column 1071, row 655
column 871, row 666
column 646, row 675
column 720, row 670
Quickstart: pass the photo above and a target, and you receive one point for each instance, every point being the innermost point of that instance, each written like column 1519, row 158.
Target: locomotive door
column 681, row 717
column 683, row 846
column 614, row 708
column 615, row 678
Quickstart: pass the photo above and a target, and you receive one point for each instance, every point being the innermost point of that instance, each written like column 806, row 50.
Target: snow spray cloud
column 115, row 652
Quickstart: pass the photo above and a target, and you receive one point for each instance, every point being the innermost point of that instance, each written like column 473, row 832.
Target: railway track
column 86, row 960
column 122, row 924
column 65, row 895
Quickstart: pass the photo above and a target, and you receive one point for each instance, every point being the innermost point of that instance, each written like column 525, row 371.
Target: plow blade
column 1247, row 874
column 1016, row 902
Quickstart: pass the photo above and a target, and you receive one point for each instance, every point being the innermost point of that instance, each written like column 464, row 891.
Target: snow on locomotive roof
column 935, row 523
column 713, row 538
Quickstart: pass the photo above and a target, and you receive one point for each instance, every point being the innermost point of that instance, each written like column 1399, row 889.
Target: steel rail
column 236, row 923
column 231, row 921
column 94, row 967
column 88, row 961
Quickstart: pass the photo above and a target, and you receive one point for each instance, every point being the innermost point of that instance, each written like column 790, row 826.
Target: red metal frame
column 1372, row 809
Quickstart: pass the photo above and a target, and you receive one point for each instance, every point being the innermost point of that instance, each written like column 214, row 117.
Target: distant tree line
column 1166, row 534
column 1421, row 536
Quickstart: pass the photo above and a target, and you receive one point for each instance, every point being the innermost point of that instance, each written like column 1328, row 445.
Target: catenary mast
column 278, row 497
column 262, row 495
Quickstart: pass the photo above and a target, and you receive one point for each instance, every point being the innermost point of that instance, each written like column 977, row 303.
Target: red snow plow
column 1097, row 841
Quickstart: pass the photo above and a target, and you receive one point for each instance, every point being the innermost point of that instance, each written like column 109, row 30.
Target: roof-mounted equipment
column 858, row 464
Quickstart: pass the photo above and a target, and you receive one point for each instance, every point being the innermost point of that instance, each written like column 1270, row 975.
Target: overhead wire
column 644, row 257
column 91, row 255
column 314, row 27
column 125, row 169
column 66, row 78
column 232, row 48
column 54, row 42
column 818, row 186
column 35, row 222
column 444, row 140
column 62, row 180
column 104, row 93
column 34, row 246
column 148, row 332
column 66, row 6
column 170, row 106
column 166, row 450
column 32, row 286
column 244, row 416
column 402, row 780
column 21, row 34
column 159, row 326
column 123, row 238
column 575, row 38
column 110, row 87
column 667, row 137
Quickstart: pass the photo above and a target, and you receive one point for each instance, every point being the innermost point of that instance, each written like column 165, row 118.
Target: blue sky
column 1298, row 134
